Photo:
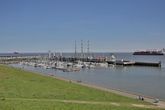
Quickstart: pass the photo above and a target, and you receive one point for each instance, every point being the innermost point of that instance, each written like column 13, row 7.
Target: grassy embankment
column 23, row 90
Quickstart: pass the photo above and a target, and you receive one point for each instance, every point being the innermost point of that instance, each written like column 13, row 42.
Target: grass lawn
column 23, row 90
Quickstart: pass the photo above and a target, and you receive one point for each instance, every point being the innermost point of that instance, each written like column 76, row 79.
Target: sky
column 109, row 25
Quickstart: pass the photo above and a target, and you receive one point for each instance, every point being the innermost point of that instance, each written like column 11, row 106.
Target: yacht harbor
column 144, row 80
column 108, row 70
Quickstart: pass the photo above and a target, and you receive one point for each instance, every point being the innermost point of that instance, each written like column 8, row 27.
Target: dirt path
column 83, row 102
column 65, row 101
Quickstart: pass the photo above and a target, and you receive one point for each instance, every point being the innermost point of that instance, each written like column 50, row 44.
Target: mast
column 82, row 53
column 88, row 49
column 75, row 54
column 49, row 54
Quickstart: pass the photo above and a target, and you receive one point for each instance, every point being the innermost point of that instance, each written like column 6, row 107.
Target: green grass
column 17, row 83
column 26, row 105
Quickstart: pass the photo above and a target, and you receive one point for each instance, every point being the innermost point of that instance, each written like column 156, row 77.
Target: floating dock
column 148, row 64
column 132, row 63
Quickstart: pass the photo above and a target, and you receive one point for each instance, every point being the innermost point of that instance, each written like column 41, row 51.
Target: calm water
column 149, row 81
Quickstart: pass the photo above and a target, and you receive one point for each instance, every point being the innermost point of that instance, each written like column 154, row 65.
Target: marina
column 82, row 55
column 135, row 78
column 149, row 52
column 52, row 61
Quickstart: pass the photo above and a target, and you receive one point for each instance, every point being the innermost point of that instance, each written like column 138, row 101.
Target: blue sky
column 110, row 25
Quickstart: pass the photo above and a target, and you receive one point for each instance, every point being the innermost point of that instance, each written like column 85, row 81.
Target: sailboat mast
column 82, row 53
column 75, row 55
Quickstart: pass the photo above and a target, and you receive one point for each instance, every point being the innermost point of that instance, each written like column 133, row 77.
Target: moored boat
column 149, row 52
